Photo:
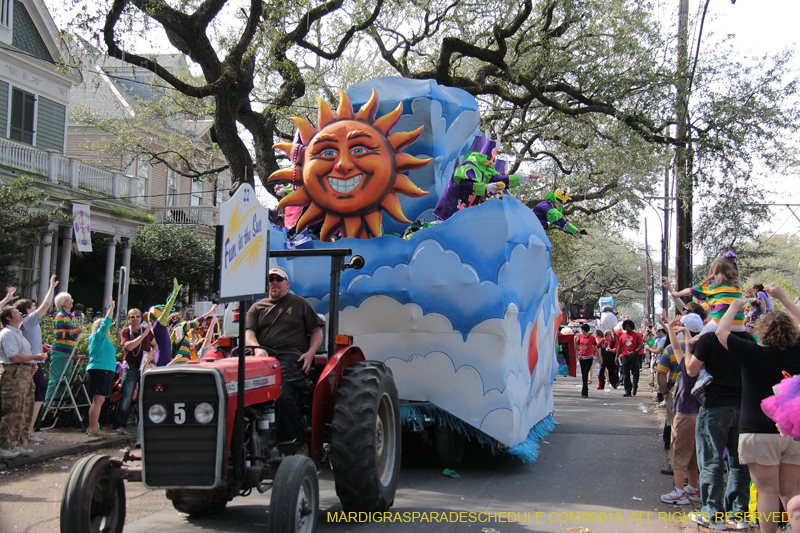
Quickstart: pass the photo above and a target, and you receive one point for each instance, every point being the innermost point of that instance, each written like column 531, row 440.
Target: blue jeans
column 718, row 428
column 130, row 378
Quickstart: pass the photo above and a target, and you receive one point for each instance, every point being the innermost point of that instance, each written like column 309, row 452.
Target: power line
column 784, row 222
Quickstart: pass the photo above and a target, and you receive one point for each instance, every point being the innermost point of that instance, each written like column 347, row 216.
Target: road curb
column 36, row 458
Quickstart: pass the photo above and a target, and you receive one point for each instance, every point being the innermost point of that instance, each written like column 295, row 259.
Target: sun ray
column 298, row 197
column 406, row 162
column 325, row 113
column 388, row 121
column 402, row 139
column 345, row 109
column 284, row 174
column 373, row 220
column 285, row 147
column 307, row 131
column 405, row 186
column 352, row 226
column 369, row 110
column 329, row 227
column 391, row 205
column 312, row 215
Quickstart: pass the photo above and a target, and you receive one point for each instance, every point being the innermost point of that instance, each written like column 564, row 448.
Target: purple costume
column 467, row 186
column 547, row 213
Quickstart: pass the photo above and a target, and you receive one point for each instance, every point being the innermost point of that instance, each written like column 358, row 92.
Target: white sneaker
column 8, row 453
column 737, row 524
column 23, row 451
column 703, row 520
column 35, row 439
column 692, row 493
column 676, row 497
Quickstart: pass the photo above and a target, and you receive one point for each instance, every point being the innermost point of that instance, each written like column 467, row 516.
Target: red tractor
column 205, row 443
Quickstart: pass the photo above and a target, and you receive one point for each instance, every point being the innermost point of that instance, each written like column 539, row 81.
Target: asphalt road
column 598, row 472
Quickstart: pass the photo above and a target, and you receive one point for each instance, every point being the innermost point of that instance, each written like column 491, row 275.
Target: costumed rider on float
column 549, row 211
column 475, row 179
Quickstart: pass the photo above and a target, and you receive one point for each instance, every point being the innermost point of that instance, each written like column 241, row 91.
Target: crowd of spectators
column 24, row 357
column 723, row 356
column 712, row 364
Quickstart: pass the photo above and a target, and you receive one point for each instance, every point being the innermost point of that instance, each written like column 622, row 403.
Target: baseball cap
column 660, row 327
column 692, row 322
column 279, row 271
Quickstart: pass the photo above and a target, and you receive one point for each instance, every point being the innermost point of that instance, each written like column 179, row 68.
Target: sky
column 758, row 27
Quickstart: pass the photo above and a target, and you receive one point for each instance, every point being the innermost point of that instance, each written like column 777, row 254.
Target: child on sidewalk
column 720, row 288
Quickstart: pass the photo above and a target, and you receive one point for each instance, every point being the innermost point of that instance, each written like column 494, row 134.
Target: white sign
column 245, row 239
column 81, row 227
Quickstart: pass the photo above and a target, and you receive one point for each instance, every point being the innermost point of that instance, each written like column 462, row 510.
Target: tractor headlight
column 204, row 413
column 157, row 413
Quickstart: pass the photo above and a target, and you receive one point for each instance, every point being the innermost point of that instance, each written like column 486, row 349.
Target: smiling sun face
column 352, row 169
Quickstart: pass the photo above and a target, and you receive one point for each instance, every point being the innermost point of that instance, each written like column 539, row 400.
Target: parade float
column 463, row 311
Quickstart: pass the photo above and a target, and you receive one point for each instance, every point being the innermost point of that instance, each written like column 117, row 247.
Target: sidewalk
column 63, row 442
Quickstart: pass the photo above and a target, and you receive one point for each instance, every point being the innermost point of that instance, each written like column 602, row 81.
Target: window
column 23, row 105
column 197, row 192
column 139, row 168
column 172, row 188
column 5, row 13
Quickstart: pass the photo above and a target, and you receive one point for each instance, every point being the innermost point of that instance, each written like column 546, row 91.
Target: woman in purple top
column 683, row 453
column 763, row 298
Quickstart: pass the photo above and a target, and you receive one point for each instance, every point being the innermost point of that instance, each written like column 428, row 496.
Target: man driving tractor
column 283, row 322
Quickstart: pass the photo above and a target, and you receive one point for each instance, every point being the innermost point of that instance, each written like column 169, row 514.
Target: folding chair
column 72, row 383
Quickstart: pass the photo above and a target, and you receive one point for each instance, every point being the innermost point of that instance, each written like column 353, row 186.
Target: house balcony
column 74, row 173
column 198, row 215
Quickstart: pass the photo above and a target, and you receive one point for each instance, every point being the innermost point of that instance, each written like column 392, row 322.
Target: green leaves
column 163, row 252
column 23, row 218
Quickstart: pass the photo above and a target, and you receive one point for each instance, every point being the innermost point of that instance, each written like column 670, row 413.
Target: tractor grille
column 181, row 452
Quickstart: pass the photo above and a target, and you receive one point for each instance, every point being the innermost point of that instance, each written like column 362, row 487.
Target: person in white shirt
column 16, row 372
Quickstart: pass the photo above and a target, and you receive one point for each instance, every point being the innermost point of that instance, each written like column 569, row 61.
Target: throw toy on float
column 550, row 212
column 476, row 179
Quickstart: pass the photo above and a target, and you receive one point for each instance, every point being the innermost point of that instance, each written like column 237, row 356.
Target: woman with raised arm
column 102, row 368
column 773, row 459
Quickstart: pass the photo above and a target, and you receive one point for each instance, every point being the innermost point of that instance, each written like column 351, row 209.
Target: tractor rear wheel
column 366, row 438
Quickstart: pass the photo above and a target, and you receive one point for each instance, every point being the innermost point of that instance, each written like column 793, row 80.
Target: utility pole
column 647, row 300
column 683, row 181
column 665, row 240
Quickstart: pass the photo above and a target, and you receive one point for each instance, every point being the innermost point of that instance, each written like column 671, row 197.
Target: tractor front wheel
column 294, row 501
column 366, row 438
column 94, row 497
